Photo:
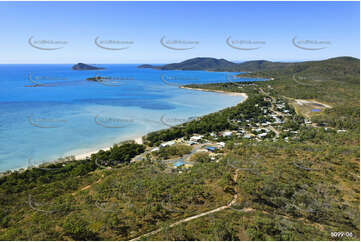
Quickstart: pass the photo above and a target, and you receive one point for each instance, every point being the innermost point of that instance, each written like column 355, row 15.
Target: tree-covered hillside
column 301, row 183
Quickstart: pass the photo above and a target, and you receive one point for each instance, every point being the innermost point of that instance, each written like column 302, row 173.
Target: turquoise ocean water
column 64, row 114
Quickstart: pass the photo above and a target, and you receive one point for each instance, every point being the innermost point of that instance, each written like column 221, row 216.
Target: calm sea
column 64, row 114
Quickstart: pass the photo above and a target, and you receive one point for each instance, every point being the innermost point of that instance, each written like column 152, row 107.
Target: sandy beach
column 218, row 91
column 81, row 156
column 139, row 140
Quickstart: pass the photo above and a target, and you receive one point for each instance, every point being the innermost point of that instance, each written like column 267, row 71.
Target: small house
column 155, row 149
column 169, row 143
column 227, row 133
column 211, row 148
column 178, row 164
column 196, row 138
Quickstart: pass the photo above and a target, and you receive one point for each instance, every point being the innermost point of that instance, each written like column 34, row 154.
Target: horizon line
column 170, row 62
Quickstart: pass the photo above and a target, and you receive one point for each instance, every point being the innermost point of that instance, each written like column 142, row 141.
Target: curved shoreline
column 84, row 155
column 137, row 139
column 242, row 94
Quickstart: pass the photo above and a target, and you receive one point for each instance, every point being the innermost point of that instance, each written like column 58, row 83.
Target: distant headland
column 214, row 64
column 222, row 65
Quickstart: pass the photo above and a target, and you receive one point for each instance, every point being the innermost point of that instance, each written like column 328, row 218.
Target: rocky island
column 85, row 67
column 147, row 66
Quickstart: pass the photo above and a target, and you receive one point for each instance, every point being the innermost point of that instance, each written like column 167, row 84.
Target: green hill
column 339, row 68
column 330, row 67
column 200, row 63
column 305, row 187
column 260, row 65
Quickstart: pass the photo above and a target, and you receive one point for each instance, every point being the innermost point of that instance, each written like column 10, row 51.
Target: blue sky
column 274, row 24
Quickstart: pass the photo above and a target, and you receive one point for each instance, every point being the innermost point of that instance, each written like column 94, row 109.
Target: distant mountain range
column 200, row 63
column 344, row 69
column 213, row 64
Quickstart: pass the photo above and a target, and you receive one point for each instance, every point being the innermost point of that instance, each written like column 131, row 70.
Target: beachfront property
column 169, row 143
column 262, row 135
column 191, row 142
column 202, row 150
column 277, row 120
column 248, row 136
column 178, row 164
column 155, row 149
column 307, row 121
column 227, row 133
column 196, row 138
column 257, row 130
column 180, row 140
column 211, row 148
column 181, row 163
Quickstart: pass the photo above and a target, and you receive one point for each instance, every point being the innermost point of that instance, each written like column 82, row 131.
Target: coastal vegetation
column 298, row 181
column 19, row 181
column 173, row 151
column 256, row 67
column 214, row 122
column 213, row 64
